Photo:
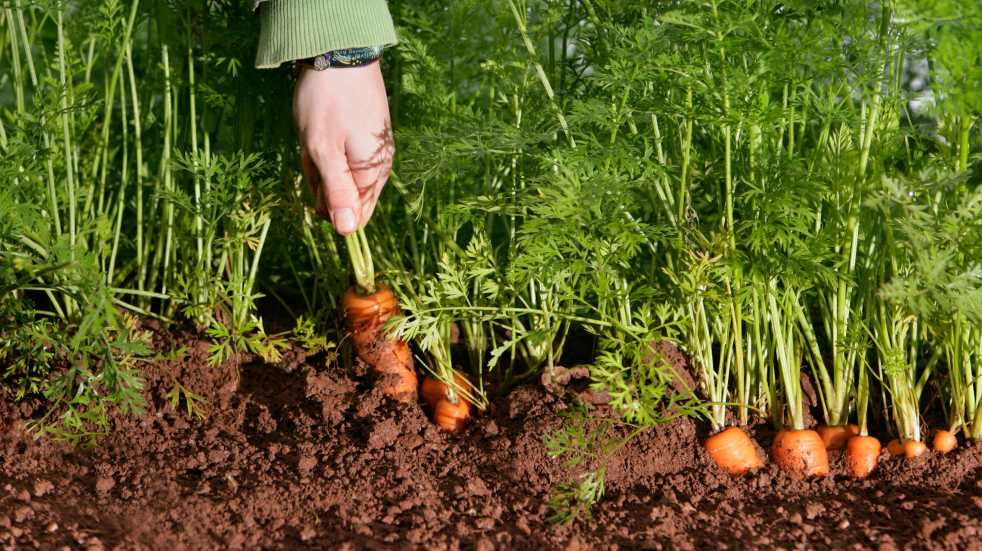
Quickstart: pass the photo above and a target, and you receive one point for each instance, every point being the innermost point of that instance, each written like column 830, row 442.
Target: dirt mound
column 302, row 454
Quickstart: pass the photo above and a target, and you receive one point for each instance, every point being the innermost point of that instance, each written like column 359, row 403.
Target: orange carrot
column 733, row 451
column 447, row 415
column 914, row 448
column 895, row 448
column 800, row 452
column 391, row 358
column 944, row 441
column 862, row 454
column 836, row 436
column 452, row 417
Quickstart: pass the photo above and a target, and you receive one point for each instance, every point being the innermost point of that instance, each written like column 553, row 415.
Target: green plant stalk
column 962, row 347
column 862, row 399
column 896, row 341
column 541, row 73
column 140, row 176
column 161, row 261
column 787, row 356
column 361, row 261
column 246, row 308
column 18, row 80
column 121, row 196
column 686, row 157
column 964, row 142
column 66, row 135
column 199, row 241
column 661, row 184
column 714, row 376
column 107, row 116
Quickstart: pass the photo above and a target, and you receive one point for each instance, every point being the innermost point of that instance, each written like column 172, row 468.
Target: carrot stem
column 361, row 261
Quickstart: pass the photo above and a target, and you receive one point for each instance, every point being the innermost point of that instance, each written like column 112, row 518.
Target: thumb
column 339, row 190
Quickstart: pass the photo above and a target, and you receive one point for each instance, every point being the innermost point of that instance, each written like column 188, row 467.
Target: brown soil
column 302, row 454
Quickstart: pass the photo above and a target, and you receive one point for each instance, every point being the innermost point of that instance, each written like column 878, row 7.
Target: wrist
column 346, row 57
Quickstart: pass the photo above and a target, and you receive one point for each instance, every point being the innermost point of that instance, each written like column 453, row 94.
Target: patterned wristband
column 347, row 57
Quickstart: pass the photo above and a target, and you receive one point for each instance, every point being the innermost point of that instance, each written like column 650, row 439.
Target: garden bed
column 302, row 454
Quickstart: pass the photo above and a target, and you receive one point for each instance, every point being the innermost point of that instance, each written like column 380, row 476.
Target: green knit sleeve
column 298, row 29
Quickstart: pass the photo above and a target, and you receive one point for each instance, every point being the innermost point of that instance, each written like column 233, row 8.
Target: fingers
column 370, row 160
column 339, row 195
column 313, row 178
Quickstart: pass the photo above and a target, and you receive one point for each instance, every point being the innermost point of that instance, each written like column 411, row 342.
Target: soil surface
column 303, row 454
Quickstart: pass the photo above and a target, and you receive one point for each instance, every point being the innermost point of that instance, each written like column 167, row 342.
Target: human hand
column 342, row 116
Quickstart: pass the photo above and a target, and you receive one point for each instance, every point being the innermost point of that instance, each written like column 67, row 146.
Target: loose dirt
column 303, row 454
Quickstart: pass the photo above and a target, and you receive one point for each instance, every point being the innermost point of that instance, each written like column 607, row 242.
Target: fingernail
column 344, row 220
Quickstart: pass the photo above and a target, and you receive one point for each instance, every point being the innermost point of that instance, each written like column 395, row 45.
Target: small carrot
column 448, row 415
column 895, row 448
column 452, row 417
column 944, row 441
column 733, row 451
column 862, row 455
column 835, row 437
column 800, row 452
column 914, row 448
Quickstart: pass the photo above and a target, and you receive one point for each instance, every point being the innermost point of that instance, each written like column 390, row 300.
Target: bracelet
column 347, row 57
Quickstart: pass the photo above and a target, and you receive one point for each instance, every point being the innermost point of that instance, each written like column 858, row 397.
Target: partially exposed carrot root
column 836, row 436
column 448, row 415
column 801, row 453
column 451, row 417
column 862, row 455
column 391, row 358
column 944, row 441
column 733, row 451
column 914, row 448
column 895, row 448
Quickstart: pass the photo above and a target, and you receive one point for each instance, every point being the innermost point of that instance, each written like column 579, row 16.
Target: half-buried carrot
column 800, row 452
column 944, row 441
column 449, row 414
column 451, row 417
column 862, row 455
column 914, row 449
column 733, row 451
column 895, row 448
column 367, row 305
column 835, row 437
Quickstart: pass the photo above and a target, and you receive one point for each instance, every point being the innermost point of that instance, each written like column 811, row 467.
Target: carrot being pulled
column 367, row 305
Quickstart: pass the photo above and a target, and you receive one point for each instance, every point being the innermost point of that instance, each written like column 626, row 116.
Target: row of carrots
column 804, row 453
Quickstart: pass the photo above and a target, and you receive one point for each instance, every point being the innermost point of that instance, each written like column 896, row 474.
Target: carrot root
column 835, row 437
column 895, row 448
column 944, row 441
column 390, row 358
column 914, row 449
column 862, row 455
column 733, row 451
column 448, row 415
column 801, row 453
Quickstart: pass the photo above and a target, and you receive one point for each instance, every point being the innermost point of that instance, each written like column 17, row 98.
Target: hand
column 342, row 116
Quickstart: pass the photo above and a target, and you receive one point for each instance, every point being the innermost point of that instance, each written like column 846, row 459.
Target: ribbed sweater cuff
column 298, row 29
